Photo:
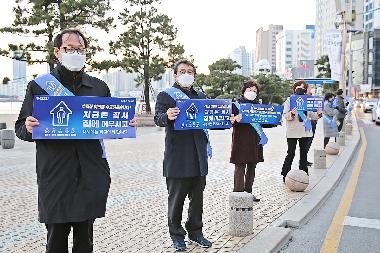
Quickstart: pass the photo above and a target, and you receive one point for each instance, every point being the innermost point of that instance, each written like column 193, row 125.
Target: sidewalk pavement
column 136, row 210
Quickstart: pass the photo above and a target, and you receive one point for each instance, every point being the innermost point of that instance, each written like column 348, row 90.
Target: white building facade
column 294, row 49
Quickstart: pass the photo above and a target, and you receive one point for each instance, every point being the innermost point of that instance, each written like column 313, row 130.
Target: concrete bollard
column 7, row 137
column 3, row 125
column 241, row 214
column 319, row 159
column 343, row 128
column 349, row 129
column 341, row 139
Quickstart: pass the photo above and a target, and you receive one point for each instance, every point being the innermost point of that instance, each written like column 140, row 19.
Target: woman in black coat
column 246, row 151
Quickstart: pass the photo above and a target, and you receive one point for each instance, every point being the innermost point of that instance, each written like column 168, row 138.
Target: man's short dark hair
column 58, row 39
column 339, row 92
column 184, row 61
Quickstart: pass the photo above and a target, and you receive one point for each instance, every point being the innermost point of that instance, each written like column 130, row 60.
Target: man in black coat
column 73, row 176
column 341, row 107
column 185, row 161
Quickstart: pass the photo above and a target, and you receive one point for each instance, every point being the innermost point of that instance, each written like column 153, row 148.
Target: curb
column 275, row 236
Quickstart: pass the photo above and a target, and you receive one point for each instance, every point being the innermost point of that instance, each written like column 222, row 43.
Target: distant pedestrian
column 340, row 105
column 330, row 128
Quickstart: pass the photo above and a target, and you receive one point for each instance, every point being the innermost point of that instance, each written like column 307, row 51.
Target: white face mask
column 74, row 61
column 186, row 80
column 250, row 95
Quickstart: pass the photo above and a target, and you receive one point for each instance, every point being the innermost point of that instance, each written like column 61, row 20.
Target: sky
column 208, row 29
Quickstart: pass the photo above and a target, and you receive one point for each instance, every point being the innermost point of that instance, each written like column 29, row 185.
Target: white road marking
column 367, row 121
column 362, row 222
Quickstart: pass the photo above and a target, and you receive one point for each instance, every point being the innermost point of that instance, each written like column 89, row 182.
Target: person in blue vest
column 73, row 176
column 296, row 131
column 185, row 163
column 330, row 128
column 246, row 150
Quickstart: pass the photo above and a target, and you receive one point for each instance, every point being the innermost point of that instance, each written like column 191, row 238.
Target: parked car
column 369, row 104
column 376, row 113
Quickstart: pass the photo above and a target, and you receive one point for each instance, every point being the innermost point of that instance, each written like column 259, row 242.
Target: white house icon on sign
column 191, row 112
column 299, row 102
column 61, row 114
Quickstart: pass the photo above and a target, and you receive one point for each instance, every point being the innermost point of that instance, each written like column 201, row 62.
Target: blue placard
column 75, row 117
column 306, row 103
column 260, row 113
column 203, row 114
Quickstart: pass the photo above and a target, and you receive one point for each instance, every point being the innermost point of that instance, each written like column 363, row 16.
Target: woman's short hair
column 328, row 96
column 339, row 92
column 299, row 83
column 249, row 84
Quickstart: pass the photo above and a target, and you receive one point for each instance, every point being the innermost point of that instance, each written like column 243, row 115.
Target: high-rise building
column 357, row 49
column 326, row 14
column 371, row 14
column 19, row 71
column 295, row 52
column 123, row 84
column 243, row 58
column 17, row 86
column 252, row 61
column 372, row 59
column 266, row 44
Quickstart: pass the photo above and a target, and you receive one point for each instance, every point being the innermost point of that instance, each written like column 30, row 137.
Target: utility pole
column 342, row 83
column 350, row 81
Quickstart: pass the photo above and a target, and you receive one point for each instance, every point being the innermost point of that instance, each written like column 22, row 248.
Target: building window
column 288, row 49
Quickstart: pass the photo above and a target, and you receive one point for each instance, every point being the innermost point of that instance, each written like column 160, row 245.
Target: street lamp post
column 342, row 83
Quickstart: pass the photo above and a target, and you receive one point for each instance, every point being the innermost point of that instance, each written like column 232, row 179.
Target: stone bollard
column 349, row 129
column 343, row 128
column 319, row 159
column 341, row 139
column 3, row 125
column 7, row 137
column 241, row 214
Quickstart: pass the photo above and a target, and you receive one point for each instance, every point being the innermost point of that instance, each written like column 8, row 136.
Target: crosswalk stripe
column 361, row 222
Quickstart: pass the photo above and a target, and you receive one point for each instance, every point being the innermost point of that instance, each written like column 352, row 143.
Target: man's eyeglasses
column 191, row 72
column 71, row 50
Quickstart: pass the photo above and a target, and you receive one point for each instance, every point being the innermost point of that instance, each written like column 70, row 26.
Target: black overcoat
column 73, row 179
column 185, row 150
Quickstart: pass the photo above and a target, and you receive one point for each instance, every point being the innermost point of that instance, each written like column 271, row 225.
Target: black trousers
column 57, row 237
column 243, row 179
column 292, row 144
column 178, row 189
column 340, row 125
column 313, row 127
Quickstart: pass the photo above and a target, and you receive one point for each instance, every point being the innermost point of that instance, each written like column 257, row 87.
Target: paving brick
column 136, row 210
